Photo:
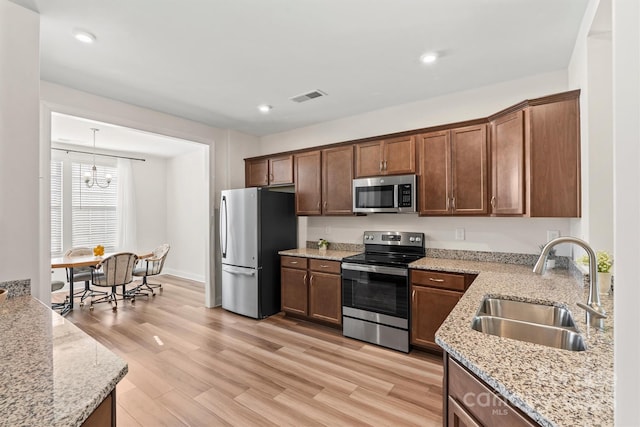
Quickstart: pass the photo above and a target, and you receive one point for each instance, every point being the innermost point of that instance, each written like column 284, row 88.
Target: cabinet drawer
column 324, row 266
column 293, row 262
column 451, row 281
column 480, row 401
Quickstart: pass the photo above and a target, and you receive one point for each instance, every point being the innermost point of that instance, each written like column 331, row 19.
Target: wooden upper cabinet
column 469, row 170
column 434, row 183
column 277, row 170
column 553, row 159
column 395, row 156
column 453, row 172
column 256, row 173
column 308, row 168
column 507, row 164
column 337, row 180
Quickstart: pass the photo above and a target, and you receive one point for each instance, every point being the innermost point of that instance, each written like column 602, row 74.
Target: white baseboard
column 183, row 274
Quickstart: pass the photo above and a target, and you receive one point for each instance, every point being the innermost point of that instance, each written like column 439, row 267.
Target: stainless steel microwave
column 385, row 194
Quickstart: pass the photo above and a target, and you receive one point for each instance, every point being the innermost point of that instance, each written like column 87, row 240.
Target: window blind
column 56, row 208
column 93, row 210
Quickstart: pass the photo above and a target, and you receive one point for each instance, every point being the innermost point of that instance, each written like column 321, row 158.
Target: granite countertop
column 330, row 254
column 51, row 373
column 554, row 387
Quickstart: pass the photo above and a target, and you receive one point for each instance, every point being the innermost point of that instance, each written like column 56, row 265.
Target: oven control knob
column 370, row 237
column 418, row 239
column 412, row 239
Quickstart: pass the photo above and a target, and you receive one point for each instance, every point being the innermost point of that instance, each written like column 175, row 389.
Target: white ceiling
column 69, row 130
column 214, row 61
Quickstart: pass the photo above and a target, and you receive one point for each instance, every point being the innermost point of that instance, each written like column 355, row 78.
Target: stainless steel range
column 375, row 288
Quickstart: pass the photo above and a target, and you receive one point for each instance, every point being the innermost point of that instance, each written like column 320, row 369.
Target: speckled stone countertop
column 316, row 253
column 554, row 387
column 51, row 373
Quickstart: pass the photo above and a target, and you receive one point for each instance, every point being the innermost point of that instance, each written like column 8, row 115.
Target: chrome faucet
column 594, row 311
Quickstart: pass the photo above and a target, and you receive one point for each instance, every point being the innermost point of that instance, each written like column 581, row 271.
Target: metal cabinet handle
column 493, row 201
column 324, row 266
column 325, row 204
column 380, row 165
column 453, row 203
column 447, row 207
column 272, row 178
column 304, row 279
column 413, row 295
column 293, row 262
column 318, row 205
column 311, row 281
column 385, row 165
column 431, row 279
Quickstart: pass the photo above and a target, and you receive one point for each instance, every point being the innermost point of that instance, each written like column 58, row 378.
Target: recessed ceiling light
column 264, row 108
column 429, row 58
column 83, row 36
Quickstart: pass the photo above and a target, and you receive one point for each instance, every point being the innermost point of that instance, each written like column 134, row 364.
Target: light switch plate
column 459, row 233
column 552, row 234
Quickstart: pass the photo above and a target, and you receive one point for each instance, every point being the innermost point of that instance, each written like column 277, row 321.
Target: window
column 93, row 210
column 56, row 207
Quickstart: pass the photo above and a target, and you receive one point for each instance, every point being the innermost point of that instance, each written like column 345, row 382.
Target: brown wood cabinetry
column 433, row 296
column 337, row 180
column 308, row 170
column 394, row 156
column 453, row 171
column 277, row 170
column 468, row 401
column 535, row 159
column 105, row 414
column 324, row 181
column 507, row 164
column 312, row 289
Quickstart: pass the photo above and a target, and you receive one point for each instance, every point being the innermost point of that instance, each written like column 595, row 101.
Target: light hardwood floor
column 194, row 366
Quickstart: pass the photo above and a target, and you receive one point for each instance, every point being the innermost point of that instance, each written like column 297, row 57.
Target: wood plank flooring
column 194, row 366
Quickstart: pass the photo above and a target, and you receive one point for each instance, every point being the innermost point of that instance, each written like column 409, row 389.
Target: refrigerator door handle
column 224, row 230
column 237, row 271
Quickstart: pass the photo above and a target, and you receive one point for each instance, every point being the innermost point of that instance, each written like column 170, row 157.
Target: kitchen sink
column 541, row 314
column 550, row 336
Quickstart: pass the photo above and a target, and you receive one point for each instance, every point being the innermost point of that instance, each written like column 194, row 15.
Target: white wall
column 522, row 235
column 187, row 214
column 626, row 125
column 151, row 201
column 19, row 143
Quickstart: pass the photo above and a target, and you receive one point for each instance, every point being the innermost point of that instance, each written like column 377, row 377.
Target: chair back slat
column 156, row 262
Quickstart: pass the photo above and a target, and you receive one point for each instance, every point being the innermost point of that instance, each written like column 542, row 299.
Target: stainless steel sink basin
column 527, row 312
column 562, row 338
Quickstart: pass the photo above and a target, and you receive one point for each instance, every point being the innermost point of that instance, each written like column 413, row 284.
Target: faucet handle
column 598, row 312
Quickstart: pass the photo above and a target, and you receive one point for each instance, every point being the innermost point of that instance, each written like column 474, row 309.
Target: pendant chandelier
column 91, row 178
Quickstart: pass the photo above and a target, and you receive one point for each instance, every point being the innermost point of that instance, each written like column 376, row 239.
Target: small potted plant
column 551, row 258
column 322, row 245
column 605, row 262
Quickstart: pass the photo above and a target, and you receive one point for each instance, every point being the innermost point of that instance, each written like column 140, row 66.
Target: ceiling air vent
column 308, row 96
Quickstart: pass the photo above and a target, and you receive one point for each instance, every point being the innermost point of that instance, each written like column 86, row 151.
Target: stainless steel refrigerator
column 255, row 224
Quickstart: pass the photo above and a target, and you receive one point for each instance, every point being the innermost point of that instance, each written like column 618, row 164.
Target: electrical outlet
column 327, row 230
column 459, row 233
column 552, row 234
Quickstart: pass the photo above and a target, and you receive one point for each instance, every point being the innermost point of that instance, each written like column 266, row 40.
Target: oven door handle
column 392, row 271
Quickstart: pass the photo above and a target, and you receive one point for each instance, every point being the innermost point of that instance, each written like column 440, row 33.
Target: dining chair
column 150, row 266
column 64, row 306
column 82, row 274
column 113, row 271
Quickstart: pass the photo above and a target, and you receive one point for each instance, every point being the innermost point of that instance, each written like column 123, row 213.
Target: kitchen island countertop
column 329, row 254
column 554, row 387
column 51, row 372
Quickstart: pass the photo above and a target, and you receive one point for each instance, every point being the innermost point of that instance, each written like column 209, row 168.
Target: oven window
column 380, row 196
column 380, row 293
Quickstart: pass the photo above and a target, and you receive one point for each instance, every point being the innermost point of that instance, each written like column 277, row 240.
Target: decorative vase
column 322, row 249
column 604, row 283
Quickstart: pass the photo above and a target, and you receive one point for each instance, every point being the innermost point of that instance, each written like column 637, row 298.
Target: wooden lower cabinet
column 469, row 401
column 105, row 414
column 312, row 289
column 433, row 296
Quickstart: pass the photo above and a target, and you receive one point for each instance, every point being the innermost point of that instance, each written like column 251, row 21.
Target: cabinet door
column 507, row 164
column 294, row 290
column 281, row 170
column 256, row 173
column 553, row 155
column 429, row 308
column 308, row 183
column 469, row 170
column 434, row 184
column 337, row 181
column 369, row 156
column 458, row 416
column 325, row 298
column 399, row 156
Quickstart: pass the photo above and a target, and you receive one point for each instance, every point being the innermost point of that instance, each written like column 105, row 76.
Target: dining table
column 82, row 261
